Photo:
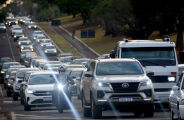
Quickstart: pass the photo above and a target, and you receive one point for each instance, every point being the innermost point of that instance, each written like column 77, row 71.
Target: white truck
column 158, row 58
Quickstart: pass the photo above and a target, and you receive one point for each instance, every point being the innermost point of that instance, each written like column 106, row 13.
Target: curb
column 80, row 41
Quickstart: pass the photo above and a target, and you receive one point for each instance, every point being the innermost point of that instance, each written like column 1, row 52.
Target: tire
column 96, row 110
column 60, row 107
column 27, row 107
column 15, row 97
column 172, row 115
column 21, row 101
column 86, row 111
column 149, row 111
column 8, row 93
column 78, row 97
column 138, row 113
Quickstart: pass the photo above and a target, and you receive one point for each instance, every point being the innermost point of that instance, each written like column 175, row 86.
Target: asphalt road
column 13, row 110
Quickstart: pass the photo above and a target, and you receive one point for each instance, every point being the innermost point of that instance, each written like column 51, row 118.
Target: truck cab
column 156, row 56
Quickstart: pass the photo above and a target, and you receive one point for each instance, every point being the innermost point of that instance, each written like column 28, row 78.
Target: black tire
column 172, row 115
column 27, row 107
column 21, row 101
column 138, row 113
column 149, row 111
column 86, row 111
column 60, row 108
column 78, row 97
column 15, row 97
column 96, row 110
column 8, row 93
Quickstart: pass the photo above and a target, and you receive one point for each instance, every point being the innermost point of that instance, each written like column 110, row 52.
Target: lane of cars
column 100, row 84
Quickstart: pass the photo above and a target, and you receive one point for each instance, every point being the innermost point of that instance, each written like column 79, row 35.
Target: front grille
column 39, row 101
column 132, row 88
column 42, row 93
column 160, row 79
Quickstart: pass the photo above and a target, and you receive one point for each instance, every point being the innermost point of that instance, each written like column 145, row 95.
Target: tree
column 2, row 11
column 115, row 16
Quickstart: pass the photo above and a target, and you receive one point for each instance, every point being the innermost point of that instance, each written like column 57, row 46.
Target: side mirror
column 150, row 73
column 175, row 88
column 112, row 54
column 88, row 74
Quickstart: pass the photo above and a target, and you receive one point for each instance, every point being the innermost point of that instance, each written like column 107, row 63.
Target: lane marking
column 10, row 46
column 7, row 101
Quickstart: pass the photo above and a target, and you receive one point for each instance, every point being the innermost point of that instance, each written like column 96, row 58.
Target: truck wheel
column 86, row 111
column 96, row 110
column 27, row 107
column 149, row 111
column 15, row 97
column 8, row 93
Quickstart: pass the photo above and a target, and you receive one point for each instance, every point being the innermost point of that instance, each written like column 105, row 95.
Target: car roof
column 44, row 72
column 11, row 62
column 117, row 60
column 24, row 69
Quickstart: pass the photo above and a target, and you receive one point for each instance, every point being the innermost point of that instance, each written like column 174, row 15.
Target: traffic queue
column 136, row 76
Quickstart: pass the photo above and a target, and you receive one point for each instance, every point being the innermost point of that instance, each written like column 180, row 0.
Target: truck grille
column 159, row 79
column 43, row 93
column 117, row 87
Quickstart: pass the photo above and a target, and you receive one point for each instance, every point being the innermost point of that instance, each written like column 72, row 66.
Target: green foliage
column 114, row 15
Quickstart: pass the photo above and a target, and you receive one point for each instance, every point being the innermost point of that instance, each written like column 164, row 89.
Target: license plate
column 125, row 99
column 47, row 98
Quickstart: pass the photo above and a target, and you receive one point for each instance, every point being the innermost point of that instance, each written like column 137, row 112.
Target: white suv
column 116, row 84
column 39, row 88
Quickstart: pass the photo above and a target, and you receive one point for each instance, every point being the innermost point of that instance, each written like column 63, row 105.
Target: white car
column 16, row 28
column 22, row 39
column 176, row 100
column 37, row 33
column 39, row 89
column 50, row 49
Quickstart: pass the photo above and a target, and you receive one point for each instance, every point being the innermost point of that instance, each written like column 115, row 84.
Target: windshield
column 38, row 32
column 26, row 43
column 49, row 47
column 119, row 68
column 66, row 59
column 151, row 56
column 80, row 61
column 6, row 66
column 5, row 60
column 43, row 79
column 17, row 29
column 18, row 33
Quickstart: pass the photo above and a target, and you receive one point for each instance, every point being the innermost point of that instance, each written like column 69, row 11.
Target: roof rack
column 166, row 38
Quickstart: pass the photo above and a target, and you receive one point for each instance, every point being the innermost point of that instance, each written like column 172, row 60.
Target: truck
column 159, row 59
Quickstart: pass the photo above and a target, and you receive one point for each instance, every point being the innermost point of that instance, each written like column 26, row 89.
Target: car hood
column 47, row 87
column 122, row 78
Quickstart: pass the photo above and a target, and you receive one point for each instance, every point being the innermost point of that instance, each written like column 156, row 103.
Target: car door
column 176, row 95
column 88, row 82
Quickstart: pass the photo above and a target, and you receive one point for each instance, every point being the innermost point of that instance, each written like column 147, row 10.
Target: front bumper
column 161, row 97
column 34, row 100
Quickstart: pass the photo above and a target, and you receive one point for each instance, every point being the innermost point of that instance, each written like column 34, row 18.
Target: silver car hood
column 42, row 87
column 122, row 78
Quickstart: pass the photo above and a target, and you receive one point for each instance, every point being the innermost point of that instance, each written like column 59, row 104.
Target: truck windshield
column 151, row 56
column 119, row 68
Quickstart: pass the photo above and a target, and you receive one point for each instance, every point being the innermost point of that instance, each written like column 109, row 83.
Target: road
column 13, row 110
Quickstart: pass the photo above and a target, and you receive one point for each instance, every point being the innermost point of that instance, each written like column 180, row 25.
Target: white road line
column 10, row 47
column 7, row 101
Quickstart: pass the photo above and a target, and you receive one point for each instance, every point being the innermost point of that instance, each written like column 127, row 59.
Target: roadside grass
column 101, row 44
column 60, row 41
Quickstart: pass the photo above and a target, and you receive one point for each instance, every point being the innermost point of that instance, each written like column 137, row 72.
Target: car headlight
column 55, row 51
column 38, row 40
column 22, row 47
column 15, row 36
column 35, row 26
column 30, row 91
column 4, row 27
column 145, row 85
column 2, row 72
column 60, row 86
column 9, row 84
column 100, row 84
column 171, row 79
column 29, row 26
column 46, row 51
column 31, row 47
column 16, row 22
column 19, row 43
column 42, row 45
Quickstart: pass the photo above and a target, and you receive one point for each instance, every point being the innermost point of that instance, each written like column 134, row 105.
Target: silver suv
column 117, row 84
